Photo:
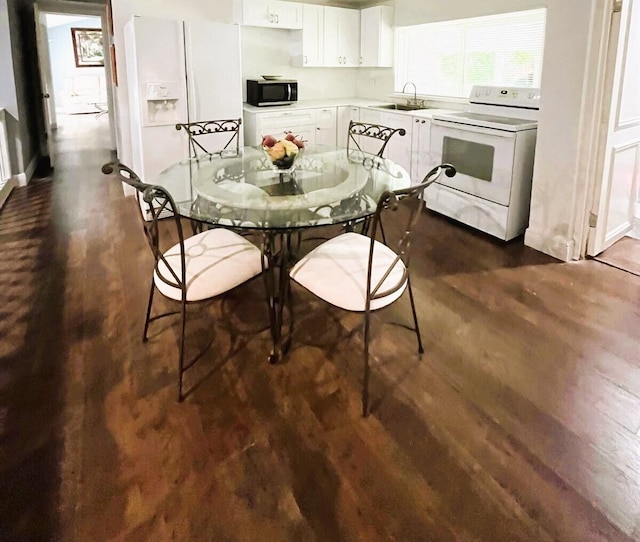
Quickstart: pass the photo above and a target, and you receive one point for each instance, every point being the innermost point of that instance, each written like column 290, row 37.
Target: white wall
column 559, row 171
column 8, row 97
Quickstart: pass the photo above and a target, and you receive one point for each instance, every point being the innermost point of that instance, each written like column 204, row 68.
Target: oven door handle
column 493, row 132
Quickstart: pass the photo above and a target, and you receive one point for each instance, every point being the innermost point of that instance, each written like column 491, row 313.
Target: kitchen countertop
column 353, row 102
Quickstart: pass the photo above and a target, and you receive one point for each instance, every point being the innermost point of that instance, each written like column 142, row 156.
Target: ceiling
column 57, row 19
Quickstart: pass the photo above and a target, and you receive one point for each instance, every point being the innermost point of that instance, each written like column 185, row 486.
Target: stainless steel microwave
column 277, row 92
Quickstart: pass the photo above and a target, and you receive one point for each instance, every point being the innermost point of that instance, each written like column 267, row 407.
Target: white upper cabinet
column 269, row 13
column 341, row 37
column 312, row 36
column 376, row 36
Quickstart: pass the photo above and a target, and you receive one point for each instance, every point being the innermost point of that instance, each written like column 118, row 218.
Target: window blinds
column 448, row 58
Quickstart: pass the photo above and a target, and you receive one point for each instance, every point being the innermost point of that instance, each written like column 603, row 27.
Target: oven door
column 483, row 158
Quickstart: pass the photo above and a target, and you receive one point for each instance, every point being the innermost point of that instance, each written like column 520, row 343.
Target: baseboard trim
column 558, row 247
column 6, row 190
column 31, row 168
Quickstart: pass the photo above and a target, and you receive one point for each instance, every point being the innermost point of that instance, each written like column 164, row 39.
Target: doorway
column 79, row 82
column 613, row 222
column 75, row 72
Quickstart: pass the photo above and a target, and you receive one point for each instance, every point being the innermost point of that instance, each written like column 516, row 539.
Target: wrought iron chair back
column 383, row 134
column 201, row 132
column 158, row 201
column 413, row 201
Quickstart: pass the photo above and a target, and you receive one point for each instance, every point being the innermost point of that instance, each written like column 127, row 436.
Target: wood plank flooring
column 521, row 421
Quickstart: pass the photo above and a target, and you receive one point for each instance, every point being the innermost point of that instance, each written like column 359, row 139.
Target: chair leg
column 415, row 317
column 146, row 321
column 182, row 349
column 365, row 382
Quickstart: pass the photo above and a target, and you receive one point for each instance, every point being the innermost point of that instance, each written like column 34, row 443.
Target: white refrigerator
column 178, row 71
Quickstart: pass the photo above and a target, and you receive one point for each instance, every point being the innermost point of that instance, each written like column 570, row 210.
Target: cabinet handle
column 417, row 120
column 317, row 127
column 305, row 59
column 424, row 121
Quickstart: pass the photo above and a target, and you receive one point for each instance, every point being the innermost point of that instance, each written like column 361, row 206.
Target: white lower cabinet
column 399, row 147
column 420, row 142
column 326, row 126
column 314, row 126
column 346, row 113
column 276, row 123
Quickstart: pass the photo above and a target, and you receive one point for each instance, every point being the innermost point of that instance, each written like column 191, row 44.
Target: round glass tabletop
column 327, row 185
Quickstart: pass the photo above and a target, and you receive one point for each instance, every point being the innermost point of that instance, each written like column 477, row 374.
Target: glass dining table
column 246, row 192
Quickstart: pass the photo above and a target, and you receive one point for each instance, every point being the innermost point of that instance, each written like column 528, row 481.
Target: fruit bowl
column 282, row 153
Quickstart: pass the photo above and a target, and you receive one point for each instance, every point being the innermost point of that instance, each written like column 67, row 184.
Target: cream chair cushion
column 216, row 261
column 336, row 271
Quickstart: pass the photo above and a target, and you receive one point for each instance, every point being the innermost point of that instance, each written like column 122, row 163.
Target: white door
column 46, row 81
column 617, row 193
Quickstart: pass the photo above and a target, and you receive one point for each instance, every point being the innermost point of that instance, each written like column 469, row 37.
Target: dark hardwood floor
column 520, row 422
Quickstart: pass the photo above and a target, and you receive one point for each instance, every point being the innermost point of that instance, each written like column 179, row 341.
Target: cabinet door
column 399, row 147
column 421, row 154
column 376, row 36
column 341, row 37
column 345, row 115
column 349, row 37
column 312, row 35
column 284, row 14
column 326, row 126
column 270, row 13
column 330, row 33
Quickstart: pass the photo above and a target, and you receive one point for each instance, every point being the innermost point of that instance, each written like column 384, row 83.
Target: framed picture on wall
column 87, row 47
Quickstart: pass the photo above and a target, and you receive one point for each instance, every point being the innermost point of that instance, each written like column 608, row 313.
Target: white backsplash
column 267, row 51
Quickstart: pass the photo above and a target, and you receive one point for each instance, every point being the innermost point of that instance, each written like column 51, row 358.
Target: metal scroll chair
column 207, row 135
column 194, row 269
column 362, row 135
column 368, row 139
column 357, row 272
column 221, row 135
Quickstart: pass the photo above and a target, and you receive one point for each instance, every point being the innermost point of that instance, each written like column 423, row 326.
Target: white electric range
column 492, row 146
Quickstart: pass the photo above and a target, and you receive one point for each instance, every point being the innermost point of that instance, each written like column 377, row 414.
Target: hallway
column 519, row 423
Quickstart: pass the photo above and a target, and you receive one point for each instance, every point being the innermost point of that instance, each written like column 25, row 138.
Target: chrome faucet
column 415, row 93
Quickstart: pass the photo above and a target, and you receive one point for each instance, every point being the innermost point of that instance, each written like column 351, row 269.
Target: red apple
column 290, row 136
column 298, row 142
column 268, row 141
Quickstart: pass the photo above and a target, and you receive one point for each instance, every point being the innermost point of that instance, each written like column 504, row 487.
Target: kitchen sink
column 399, row 107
